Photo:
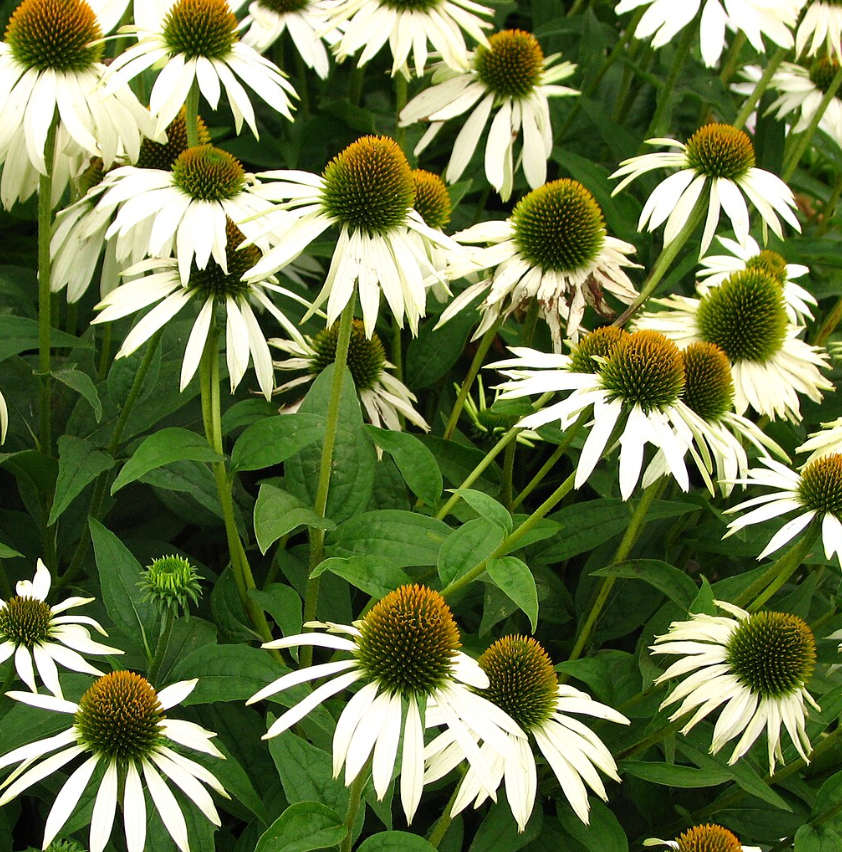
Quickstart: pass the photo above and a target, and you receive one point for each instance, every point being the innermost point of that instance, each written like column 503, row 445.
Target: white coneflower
column 717, row 161
column 756, row 665
column 120, row 725
column 212, row 287
column 821, row 27
column 511, row 78
column 825, row 441
column 404, row 652
column 367, row 191
column 523, row 683
column 553, row 249
column 815, row 494
column 715, row 269
column 195, row 42
column 746, row 317
column 773, row 19
column 385, row 398
column 33, row 632
column 408, row 26
column 704, row 838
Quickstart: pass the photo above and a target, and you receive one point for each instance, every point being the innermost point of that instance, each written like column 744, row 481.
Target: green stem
column 444, row 821
column 664, row 261
column 802, row 142
column 302, row 74
column 558, row 452
column 317, row 536
column 192, row 115
column 479, row 357
column 787, row 567
column 829, row 325
column 212, row 417
column 633, row 530
column 105, row 352
column 762, row 84
column 660, row 118
column 784, row 566
column 650, row 739
column 530, row 321
column 161, row 647
column 400, row 103
column 355, row 85
column 829, row 208
column 732, row 60
column 508, row 472
column 355, row 796
column 509, row 542
column 45, row 225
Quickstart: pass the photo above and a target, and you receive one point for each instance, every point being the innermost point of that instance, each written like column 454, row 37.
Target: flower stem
column 479, row 356
column 657, row 126
column 530, row 321
column 303, row 92
column 317, row 536
column 636, row 524
column 785, row 567
column 509, row 542
column 802, row 142
column 829, row 325
column 732, row 59
column 356, row 84
column 192, row 115
column 650, row 739
column 212, row 418
column 829, row 209
column 161, row 647
column 762, row 84
column 444, row 821
column 508, row 472
column 355, row 795
column 45, row 225
column 664, row 261
column 400, row 103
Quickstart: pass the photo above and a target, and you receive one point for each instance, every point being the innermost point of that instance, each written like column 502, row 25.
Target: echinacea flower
column 184, row 209
column 120, row 725
column 36, row 633
column 512, row 78
column 704, row 838
column 773, row 19
column 51, row 72
column 490, row 423
column 404, row 653
column 820, row 28
column 212, row 287
column 553, row 249
column 756, row 665
column 267, row 20
column 432, row 203
column 523, row 683
column 408, row 26
column 384, row 246
column 384, row 397
column 717, row 268
column 815, row 493
column 825, row 441
column 633, row 388
column 746, row 317
column 196, row 43
column 717, row 163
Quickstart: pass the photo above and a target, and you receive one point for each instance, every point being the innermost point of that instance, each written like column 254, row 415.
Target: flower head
column 385, row 398
column 197, row 42
column 171, row 582
column 756, row 665
column 39, row 634
column 523, row 683
column 554, row 248
column 405, row 653
column 704, row 838
column 408, row 26
column 213, row 286
column 368, row 192
column 120, row 725
column 746, row 317
column 820, row 28
column 509, row 76
column 826, row 440
column 718, row 160
column 816, row 492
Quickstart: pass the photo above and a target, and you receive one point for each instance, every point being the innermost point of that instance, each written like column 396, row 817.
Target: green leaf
column 245, row 412
column 820, row 839
column 673, row 775
column 303, row 827
column 499, row 833
column 19, row 334
column 395, row 841
column 283, row 604
column 275, row 439
column 119, row 573
column 83, row 384
column 611, row 675
column 675, row 584
column 466, row 547
column 487, row 507
column 161, row 448
column 513, row 577
column 277, row 512
column 417, row 465
column 404, row 538
column 79, row 463
column 7, row 552
column 603, row 832
column 432, row 353
column 372, row 574
column 226, row 672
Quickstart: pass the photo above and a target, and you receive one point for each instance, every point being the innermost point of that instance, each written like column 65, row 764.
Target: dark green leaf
column 603, row 833
column 673, row 775
column 513, row 577
column 306, row 772
column 417, row 465
column 303, row 827
column 278, row 512
column 395, row 841
column 83, row 384
column 283, row 604
column 466, row 547
column 675, row 584
column 487, row 507
column 19, row 334
column 374, row 575
column 275, row 439
column 79, row 463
